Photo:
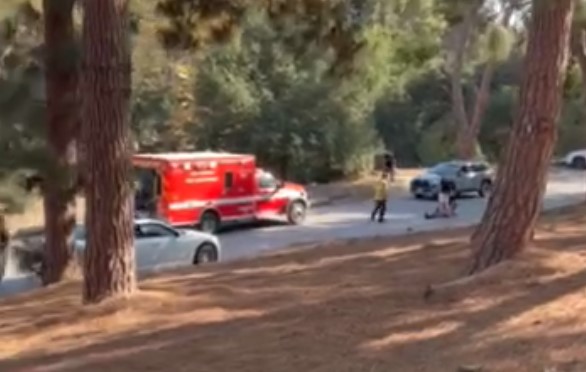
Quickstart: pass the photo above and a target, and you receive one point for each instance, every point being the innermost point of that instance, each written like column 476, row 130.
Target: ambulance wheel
column 210, row 222
column 296, row 213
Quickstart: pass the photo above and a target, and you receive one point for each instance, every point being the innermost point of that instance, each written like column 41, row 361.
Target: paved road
column 350, row 220
column 344, row 221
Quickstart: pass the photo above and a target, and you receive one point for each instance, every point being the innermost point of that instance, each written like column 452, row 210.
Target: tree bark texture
column 469, row 127
column 109, row 255
column 62, row 78
column 467, row 139
column 514, row 206
column 458, row 101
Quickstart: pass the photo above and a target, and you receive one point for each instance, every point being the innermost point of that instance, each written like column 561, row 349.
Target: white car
column 576, row 159
column 157, row 246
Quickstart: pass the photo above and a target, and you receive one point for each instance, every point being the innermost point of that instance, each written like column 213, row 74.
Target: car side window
column 479, row 168
column 464, row 170
column 153, row 230
column 228, row 181
column 267, row 181
column 137, row 232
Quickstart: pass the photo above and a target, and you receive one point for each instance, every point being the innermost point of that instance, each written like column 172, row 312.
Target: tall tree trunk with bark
column 109, row 259
column 62, row 77
column 513, row 209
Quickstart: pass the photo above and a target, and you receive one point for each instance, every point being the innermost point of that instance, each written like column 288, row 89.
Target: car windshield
column 444, row 168
column 79, row 232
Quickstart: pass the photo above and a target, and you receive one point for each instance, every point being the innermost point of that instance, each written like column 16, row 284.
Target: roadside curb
column 324, row 202
column 381, row 237
column 328, row 201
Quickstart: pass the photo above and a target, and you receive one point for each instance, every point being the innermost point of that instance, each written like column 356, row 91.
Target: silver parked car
column 157, row 245
column 575, row 159
column 464, row 176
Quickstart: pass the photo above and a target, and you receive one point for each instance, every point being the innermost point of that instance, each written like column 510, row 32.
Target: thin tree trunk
column 483, row 94
column 579, row 51
column 467, row 139
column 458, row 101
column 468, row 136
column 109, row 256
column 509, row 220
column 62, row 77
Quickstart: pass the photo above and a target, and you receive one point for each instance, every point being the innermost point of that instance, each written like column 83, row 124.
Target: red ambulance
column 210, row 189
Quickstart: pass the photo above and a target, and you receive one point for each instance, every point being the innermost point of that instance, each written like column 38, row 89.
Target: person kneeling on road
column 446, row 206
column 381, row 190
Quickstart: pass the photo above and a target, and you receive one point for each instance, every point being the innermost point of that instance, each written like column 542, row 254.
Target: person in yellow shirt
column 381, row 190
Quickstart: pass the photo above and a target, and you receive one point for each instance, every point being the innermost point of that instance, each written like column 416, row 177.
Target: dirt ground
column 356, row 306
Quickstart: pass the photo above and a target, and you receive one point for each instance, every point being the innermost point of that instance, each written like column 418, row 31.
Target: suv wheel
column 485, row 188
column 579, row 162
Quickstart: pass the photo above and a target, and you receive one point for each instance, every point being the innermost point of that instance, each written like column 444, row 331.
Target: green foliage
column 196, row 24
column 403, row 120
column 150, row 113
column 498, row 120
column 573, row 83
column 498, row 43
column 21, row 107
column 572, row 131
column 580, row 13
column 256, row 96
column 435, row 142
column 252, row 78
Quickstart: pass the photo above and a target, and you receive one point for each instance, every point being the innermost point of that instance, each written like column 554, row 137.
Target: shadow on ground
column 356, row 307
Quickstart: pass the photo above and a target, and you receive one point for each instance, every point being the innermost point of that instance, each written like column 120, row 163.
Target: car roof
column 142, row 221
column 137, row 221
column 462, row 162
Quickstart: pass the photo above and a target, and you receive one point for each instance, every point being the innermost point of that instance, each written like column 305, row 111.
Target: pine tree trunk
column 109, row 255
column 509, row 220
column 62, row 77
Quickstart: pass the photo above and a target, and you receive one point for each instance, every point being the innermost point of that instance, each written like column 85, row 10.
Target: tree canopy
column 264, row 68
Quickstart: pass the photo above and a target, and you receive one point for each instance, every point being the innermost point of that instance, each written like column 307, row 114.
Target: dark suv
column 465, row 177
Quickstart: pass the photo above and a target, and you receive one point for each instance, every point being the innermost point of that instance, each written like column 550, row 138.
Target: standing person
column 381, row 190
column 390, row 165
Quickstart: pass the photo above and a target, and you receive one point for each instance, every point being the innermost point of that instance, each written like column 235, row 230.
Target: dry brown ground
column 349, row 307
